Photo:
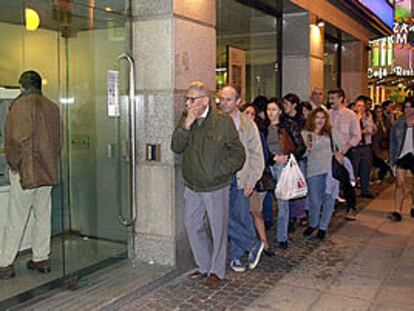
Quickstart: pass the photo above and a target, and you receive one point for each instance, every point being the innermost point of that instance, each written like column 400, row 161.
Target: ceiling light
column 108, row 9
column 321, row 23
column 32, row 19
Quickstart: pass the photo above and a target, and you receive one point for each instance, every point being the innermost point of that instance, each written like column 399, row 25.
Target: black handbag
column 339, row 172
column 266, row 182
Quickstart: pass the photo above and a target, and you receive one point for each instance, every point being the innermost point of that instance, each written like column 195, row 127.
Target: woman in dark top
column 283, row 139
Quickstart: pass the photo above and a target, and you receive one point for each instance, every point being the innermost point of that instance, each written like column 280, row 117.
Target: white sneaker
column 341, row 200
column 237, row 265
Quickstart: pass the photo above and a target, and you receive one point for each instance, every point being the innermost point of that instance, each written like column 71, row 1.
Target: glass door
column 76, row 46
column 95, row 111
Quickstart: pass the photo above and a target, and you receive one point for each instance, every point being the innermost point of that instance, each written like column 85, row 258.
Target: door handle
column 129, row 221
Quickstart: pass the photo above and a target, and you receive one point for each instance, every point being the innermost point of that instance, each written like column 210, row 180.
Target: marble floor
column 67, row 256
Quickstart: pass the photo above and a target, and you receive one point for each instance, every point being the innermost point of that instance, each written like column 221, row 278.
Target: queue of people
column 234, row 155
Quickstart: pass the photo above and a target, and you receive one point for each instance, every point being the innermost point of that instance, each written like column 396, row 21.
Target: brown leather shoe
column 39, row 266
column 7, row 273
column 213, row 281
column 195, row 275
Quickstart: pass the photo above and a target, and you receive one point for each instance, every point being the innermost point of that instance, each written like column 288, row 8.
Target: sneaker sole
column 254, row 264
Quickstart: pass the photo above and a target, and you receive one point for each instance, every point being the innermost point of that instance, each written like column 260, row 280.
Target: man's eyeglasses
column 193, row 99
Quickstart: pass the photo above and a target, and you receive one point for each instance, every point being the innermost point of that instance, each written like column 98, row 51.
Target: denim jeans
column 268, row 207
column 282, row 209
column 319, row 198
column 297, row 207
column 242, row 233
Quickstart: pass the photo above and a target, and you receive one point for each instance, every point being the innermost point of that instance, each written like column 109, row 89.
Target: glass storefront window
column 247, row 49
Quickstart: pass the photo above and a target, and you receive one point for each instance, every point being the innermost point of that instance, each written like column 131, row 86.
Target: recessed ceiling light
column 108, row 9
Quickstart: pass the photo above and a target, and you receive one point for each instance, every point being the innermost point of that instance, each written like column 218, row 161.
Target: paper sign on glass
column 113, row 93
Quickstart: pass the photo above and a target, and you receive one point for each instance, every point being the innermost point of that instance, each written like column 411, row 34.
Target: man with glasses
column 212, row 153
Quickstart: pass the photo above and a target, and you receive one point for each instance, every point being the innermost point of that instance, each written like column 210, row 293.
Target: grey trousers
column 209, row 254
column 20, row 203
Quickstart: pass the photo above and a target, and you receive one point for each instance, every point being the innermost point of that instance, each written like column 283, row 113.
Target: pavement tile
column 330, row 302
column 355, row 286
column 285, row 297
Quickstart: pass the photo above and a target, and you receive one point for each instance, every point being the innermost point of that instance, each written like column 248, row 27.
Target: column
column 302, row 54
column 173, row 44
column 354, row 65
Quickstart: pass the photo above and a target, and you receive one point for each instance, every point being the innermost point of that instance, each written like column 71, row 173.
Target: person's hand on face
column 195, row 108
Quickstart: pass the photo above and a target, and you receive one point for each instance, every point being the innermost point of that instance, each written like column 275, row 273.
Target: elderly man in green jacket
column 212, row 153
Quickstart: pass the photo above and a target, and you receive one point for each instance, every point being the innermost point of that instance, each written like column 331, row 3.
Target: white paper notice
column 113, row 93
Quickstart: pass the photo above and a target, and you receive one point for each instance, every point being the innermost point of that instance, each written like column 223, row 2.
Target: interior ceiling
column 54, row 15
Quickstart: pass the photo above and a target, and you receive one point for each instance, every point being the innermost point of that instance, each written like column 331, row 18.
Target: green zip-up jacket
column 212, row 151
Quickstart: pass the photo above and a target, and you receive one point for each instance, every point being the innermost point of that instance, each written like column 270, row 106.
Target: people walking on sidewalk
column 242, row 233
column 320, row 147
column 212, row 153
column 402, row 156
column 284, row 138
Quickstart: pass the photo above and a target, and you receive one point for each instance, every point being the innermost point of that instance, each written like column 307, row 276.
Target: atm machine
column 6, row 97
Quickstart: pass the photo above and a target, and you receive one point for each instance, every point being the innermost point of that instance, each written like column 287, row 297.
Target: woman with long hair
column 283, row 139
column 320, row 146
column 256, row 200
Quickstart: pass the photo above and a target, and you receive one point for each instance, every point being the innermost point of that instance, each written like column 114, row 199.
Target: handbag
column 339, row 172
column 291, row 183
column 285, row 142
column 266, row 182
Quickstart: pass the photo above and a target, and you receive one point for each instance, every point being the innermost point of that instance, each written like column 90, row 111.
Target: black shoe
column 283, row 245
column 367, row 196
column 269, row 252
column 412, row 212
column 7, row 273
column 291, row 227
column 268, row 224
column 395, row 216
column 39, row 266
column 308, row 232
column 321, row 234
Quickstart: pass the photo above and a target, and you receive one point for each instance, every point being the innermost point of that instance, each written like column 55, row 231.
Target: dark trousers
column 383, row 167
column 362, row 163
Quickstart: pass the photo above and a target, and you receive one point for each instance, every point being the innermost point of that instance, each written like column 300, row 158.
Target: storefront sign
column 403, row 33
column 113, row 93
column 383, row 72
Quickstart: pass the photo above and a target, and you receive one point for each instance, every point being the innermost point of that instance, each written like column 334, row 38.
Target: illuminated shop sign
column 382, row 72
column 404, row 33
column 382, row 9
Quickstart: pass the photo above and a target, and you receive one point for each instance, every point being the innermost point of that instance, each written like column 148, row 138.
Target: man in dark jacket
column 212, row 154
column 32, row 148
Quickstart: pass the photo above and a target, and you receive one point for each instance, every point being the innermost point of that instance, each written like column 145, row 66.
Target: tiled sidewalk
column 344, row 272
column 374, row 270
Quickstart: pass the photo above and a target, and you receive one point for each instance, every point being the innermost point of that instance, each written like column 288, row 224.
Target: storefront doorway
column 75, row 45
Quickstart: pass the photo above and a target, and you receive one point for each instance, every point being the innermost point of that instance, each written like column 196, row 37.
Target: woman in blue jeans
column 283, row 139
column 317, row 136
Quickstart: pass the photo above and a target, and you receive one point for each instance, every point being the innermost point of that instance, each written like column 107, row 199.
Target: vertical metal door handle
column 133, row 148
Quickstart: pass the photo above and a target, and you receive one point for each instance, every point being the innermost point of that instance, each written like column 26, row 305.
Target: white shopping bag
column 291, row 183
